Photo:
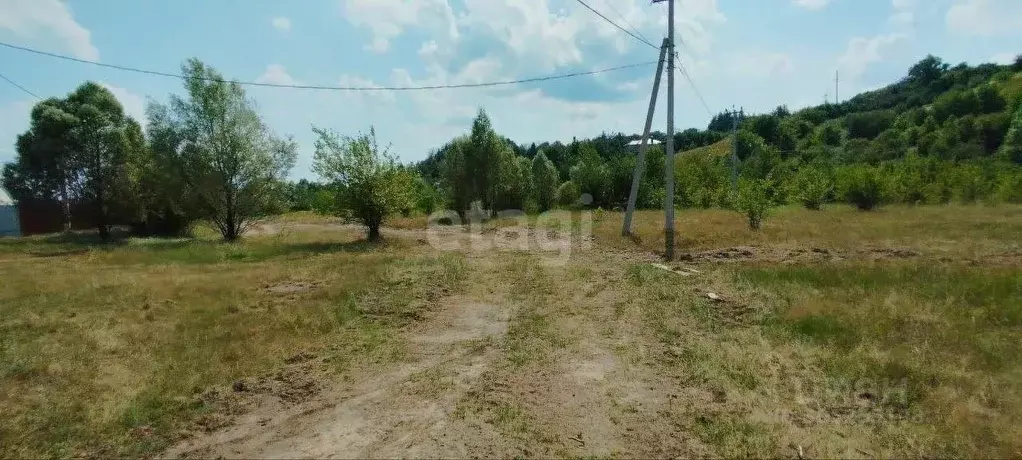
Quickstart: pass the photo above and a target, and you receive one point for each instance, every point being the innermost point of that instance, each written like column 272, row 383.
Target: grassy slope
column 719, row 149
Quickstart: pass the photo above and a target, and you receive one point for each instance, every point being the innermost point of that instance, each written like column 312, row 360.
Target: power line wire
column 678, row 64
column 605, row 18
column 625, row 20
column 692, row 83
column 336, row 88
column 20, row 87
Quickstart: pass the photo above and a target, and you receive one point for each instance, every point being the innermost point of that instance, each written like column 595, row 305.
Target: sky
column 755, row 54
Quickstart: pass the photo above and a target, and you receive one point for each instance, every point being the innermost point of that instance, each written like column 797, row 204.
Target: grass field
column 97, row 341
column 839, row 333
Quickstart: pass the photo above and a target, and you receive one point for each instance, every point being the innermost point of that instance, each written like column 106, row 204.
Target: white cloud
column 904, row 12
column 1003, row 58
column 984, row 17
column 276, row 74
column 355, row 81
column 49, row 22
column 693, row 22
column 811, row 4
column 134, row 105
column 387, row 19
column 862, row 52
column 428, row 50
column 281, row 23
column 762, row 64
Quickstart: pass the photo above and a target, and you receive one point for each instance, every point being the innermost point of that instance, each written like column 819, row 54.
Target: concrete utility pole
column 837, row 92
column 734, row 149
column 669, row 158
column 640, row 161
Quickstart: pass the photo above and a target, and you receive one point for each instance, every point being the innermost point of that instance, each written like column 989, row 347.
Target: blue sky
column 751, row 53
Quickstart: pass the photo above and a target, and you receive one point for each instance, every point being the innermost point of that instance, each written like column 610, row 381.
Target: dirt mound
column 796, row 255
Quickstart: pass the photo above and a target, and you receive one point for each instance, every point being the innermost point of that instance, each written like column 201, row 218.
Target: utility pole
column 669, row 158
column 837, row 94
column 640, row 162
column 734, row 149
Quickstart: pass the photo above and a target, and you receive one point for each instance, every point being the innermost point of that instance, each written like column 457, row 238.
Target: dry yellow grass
column 104, row 349
column 958, row 231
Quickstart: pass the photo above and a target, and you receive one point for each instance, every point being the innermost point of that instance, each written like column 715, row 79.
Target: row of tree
column 940, row 134
column 205, row 156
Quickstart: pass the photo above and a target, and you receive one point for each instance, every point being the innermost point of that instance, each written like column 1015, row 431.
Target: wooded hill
column 941, row 133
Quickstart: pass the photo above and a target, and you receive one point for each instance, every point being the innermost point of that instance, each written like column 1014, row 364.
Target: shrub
column 866, row 187
column 568, row 194
column 811, row 187
column 753, row 201
column 373, row 186
column 1009, row 188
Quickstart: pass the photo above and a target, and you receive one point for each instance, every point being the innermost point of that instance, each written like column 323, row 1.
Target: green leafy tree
column 514, row 182
column 101, row 144
column 166, row 204
column 371, row 184
column 544, row 179
column 811, row 186
column 866, row 187
column 568, row 194
column 425, row 196
column 1009, row 186
column 456, row 176
column 229, row 160
column 591, row 175
column 1011, row 148
column 324, row 201
column 77, row 149
column 753, row 201
column 486, row 152
column 45, row 167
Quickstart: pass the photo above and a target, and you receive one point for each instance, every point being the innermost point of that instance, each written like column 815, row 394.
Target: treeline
column 205, row 156
column 940, row 134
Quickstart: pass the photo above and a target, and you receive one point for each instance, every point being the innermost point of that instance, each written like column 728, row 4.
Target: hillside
column 939, row 134
column 720, row 148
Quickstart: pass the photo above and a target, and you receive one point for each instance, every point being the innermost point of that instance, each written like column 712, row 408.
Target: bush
column 753, row 201
column 971, row 185
column 374, row 185
column 568, row 194
column 1009, row 188
column 811, row 187
column 324, row 202
column 866, row 187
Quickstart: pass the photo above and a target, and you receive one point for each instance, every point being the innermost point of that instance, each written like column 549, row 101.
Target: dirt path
column 535, row 359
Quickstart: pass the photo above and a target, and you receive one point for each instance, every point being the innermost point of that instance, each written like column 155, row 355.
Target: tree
column 483, row 159
column 228, row 159
column 544, row 179
column 1011, row 148
column 370, row 183
column 927, row 71
column 513, row 184
column 76, row 149
column 811, row 187
column 100, row 141
column 591, row 175
column 45, row 163
column 753, row 201
column 568, row 194
column 457, row 178
column 866, row 187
